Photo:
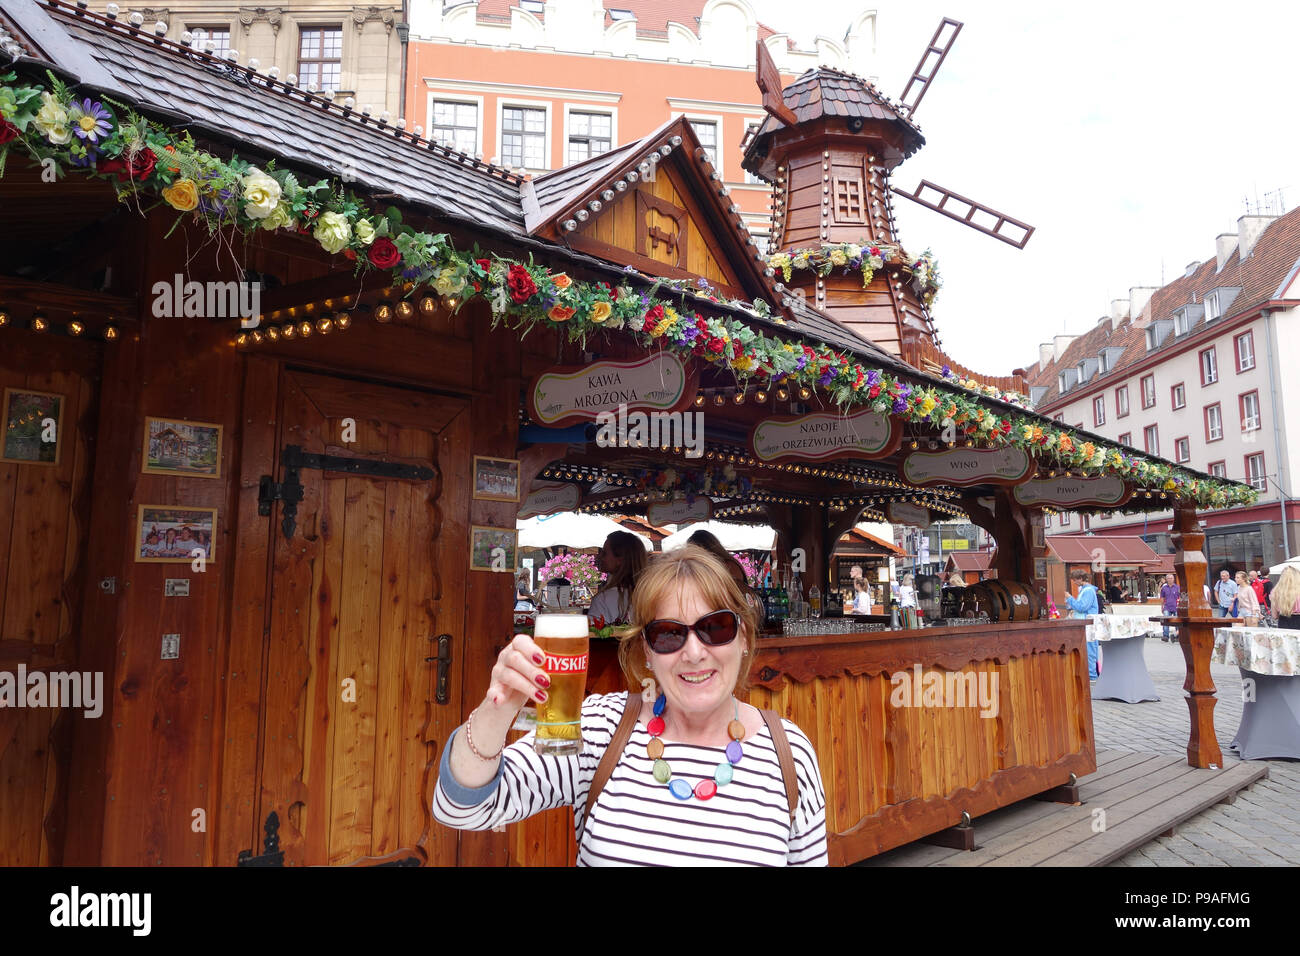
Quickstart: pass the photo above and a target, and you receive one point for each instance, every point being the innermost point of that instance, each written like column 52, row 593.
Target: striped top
column 636, row 820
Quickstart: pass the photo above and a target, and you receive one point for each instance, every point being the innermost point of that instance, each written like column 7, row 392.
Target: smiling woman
column 684, row 774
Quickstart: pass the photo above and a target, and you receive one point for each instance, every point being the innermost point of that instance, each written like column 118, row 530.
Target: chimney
column 1223, row 246
column 1045, row 355
column 1249, row 229
column 1138, row 297
column 1059, row 344
column 1191, row 267
column 1118, row 312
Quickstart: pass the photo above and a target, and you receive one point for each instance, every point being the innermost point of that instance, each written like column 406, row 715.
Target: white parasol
column 571, row 530
column 734, row 537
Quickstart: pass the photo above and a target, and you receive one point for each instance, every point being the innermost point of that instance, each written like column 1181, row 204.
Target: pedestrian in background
column 1169, row 592
column 1247, row 603
column 1285, row 598
column 1084, row 605
column 1225, row 590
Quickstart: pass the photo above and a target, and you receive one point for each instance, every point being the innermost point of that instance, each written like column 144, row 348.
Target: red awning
column 964, row 561
column 1113, row 551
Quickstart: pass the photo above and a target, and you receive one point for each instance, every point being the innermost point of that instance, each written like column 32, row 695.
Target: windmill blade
column 938, row 198
column 920, row 78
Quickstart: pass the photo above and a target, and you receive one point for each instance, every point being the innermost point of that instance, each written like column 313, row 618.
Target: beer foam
column 561, row 625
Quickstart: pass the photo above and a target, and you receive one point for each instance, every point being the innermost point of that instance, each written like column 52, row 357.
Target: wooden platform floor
column 1130, row 800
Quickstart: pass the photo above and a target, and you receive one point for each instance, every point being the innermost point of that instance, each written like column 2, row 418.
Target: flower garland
column 864, row 257
column 108, row 141
column 720, row 481
column 974, row 385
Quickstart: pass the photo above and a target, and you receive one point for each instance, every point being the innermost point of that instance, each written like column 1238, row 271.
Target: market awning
column 1109, row 551
column 963, row 561
column 862, row 543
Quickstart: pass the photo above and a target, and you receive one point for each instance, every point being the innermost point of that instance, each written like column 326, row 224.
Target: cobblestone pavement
column 1261, row 828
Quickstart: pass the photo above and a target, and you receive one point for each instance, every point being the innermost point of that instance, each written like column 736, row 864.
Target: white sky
column 1129, row 133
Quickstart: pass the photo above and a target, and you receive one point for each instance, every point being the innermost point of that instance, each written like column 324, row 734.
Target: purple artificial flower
column 90, row 121
column 800, row 363
column 945, row 372
column 855, row 262
column 900, row 405
column 904, row 391
column 411, row 272
column 827, row 375
column 85, row 159
column 873, row 377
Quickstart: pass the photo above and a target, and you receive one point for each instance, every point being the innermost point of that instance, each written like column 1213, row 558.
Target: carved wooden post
column 1196, row 635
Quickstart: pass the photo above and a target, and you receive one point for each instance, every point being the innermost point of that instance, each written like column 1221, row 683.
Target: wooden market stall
column 288, row 633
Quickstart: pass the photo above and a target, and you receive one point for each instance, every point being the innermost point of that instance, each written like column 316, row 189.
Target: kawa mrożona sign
column 825, row 435
column 567, row 395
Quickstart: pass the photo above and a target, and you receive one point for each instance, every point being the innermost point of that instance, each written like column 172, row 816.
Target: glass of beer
column 563, row 639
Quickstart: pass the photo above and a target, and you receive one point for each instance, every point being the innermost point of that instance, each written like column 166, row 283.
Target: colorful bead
column 660, row 703
column 656, row 726
column 680, row 789
column 734, row 753
column 661, row 771
column 736, row 730
column 704, row 789
column 723, row 774
column 655, row 749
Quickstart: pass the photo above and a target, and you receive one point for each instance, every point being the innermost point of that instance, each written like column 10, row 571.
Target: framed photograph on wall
column 32, row 423
column 1040, row 569
column 1040, row 540
column 496, row 479
column 493, row 549
column 170, row 534
column 173, row 446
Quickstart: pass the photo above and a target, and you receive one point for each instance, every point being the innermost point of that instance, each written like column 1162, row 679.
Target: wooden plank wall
column 43, row 528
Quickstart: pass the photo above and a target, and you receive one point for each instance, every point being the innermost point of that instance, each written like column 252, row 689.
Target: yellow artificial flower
column 364, row 231
column 280, row 218
column 182, row 195
column 333, row 231
column 600, row 311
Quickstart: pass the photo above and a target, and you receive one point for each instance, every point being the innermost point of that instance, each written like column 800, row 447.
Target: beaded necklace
column 678, row 787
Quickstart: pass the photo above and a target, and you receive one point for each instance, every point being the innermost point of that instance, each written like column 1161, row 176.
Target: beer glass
column 563, row 639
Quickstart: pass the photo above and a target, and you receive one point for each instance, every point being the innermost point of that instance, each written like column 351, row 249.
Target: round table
column 1269, row 660
column 1124, row 667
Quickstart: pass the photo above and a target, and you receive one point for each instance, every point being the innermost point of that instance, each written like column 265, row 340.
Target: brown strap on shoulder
column 785, row 756
column 631, row 713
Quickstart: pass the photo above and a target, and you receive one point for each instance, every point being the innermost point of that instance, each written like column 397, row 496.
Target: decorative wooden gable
column 658, row 206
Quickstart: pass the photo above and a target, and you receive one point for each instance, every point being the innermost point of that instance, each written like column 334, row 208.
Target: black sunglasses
column 715, row 629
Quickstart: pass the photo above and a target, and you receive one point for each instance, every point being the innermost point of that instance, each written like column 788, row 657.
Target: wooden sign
column 1106, row 490
column 968, row 466
column 825, row 435
column 679, row 512
column 548, row 499
column 914, row 515
column 569, row 394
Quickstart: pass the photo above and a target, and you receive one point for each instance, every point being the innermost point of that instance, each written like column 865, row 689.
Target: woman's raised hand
column 517, row 676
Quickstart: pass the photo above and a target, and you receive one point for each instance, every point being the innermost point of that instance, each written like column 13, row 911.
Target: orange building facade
column 544, row 85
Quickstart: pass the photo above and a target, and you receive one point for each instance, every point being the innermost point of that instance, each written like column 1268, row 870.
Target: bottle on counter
column 815, row 600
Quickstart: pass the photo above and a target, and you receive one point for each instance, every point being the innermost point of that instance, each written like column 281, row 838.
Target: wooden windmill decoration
column 828, row 145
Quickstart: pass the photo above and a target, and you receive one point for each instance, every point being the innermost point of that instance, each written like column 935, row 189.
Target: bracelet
column 469, row 738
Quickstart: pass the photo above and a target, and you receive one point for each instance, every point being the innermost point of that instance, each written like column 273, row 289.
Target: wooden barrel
column 1005, row 600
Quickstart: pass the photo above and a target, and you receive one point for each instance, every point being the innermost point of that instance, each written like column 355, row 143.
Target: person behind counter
column 861, row 596
column 907, row 591
column 622, row 558
column 1285, row 598
column 1084, row 605
column 710, row 543
column 695, row 638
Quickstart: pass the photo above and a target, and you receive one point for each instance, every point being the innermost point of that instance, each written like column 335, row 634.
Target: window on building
column 1245, row 343
column 1181, row 322
column 1084, row 523
column 750, row 130
column 617, row 15
column 1250, row 417
column 1233, row 550
column 1212, row 310
column 219, row 35
column 1209, row 367
column 761, row 240
column 523, row 137
column 1255, row 474
column 1121, row 402
column 707, row 133
column 1148, row 391
column 1065, row 519
column 320, row 57
column 1218, row 469
column 590, row 134
column 533, row 6
column 1178, row 396
column 1213, row 422
column 455, row 123
column 1126, row 439
column 1099, row 411
column 1059, row 417
column 1151, row 439
column 1182, row 449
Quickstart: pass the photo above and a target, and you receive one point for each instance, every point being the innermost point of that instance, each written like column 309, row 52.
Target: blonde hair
column 1285, row 596
column 688, row 567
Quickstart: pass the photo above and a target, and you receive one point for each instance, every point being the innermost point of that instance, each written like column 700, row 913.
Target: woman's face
column 697, row 679
column 610, row 562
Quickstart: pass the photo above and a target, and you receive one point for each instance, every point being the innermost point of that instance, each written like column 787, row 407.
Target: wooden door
column 373, row 572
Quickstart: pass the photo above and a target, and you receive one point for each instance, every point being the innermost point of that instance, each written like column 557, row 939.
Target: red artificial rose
column 484, row 264
column 875, row 390
column 654, row 315
column 520, row 284
column 383, row 254
column 717, row 345
column 736, row 349
column 8, row 132
column 349, row 254
column 139, row 166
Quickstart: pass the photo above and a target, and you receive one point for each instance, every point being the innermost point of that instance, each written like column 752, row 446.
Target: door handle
column 440, row 693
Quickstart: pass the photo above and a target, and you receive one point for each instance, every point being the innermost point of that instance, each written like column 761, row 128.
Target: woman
column 1247, row 603
column 861, row 596
column 907, row 592
column 696, row 668
column 1285, row 598
column 1084, row 605
column 710, row 543
column 622, row 559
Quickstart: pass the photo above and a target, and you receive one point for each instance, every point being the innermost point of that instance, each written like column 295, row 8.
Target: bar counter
column 903, row 748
